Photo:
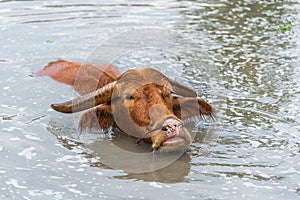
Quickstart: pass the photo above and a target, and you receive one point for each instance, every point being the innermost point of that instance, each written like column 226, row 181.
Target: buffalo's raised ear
column 62, row 71
column 100, row 96
column 83, row 77
column 182, row 90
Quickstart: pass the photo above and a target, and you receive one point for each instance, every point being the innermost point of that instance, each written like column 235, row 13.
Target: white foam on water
column 155, row 184
column 48, row 192
column 9, row 129
column 99, row 173
column 15, row 183
column 71, row 188
column 28, row 153
column 72, row 159
column 15, row 139
column 32, row 137
column 249, row 184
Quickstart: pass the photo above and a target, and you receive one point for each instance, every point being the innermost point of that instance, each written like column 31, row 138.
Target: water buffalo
column 144, row 104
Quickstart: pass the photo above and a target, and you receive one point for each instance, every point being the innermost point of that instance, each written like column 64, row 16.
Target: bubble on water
column 28, row 153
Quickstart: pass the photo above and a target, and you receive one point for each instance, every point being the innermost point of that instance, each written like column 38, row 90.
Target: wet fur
column 148, row 95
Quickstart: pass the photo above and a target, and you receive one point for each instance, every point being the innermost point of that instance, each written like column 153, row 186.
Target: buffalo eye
column 129, row 97
column 167, row 94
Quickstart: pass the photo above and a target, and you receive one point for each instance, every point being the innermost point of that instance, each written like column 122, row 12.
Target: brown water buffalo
column 144, row 104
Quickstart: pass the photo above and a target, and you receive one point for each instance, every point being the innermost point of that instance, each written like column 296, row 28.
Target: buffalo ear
column 182, row 90
column 98, row 118
column 185, row 108
column 62, row 71
column 83, row 77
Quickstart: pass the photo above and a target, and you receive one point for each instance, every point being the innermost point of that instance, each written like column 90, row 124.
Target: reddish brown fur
column 146, row 97
column 99, row 117
column 62, row 71
column 141, row 102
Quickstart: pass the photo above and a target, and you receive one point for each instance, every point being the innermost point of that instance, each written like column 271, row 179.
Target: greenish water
column 231, row 52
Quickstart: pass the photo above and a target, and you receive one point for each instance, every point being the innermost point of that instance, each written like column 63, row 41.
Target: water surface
column 232, row 52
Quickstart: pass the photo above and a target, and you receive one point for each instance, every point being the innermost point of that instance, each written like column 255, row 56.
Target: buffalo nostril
column 164, row 128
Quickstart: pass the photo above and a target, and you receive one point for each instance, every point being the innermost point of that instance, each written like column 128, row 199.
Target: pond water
column 231, row 52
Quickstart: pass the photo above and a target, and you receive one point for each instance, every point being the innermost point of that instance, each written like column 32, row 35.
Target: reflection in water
column 174, row 173
column 137, row 160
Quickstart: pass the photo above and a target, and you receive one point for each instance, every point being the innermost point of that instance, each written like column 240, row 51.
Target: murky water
column 232, row 52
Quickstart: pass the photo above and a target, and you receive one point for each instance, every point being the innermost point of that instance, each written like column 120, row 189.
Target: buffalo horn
column 97, row 97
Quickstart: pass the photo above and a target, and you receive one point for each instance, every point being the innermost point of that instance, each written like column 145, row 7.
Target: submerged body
column 144, row 104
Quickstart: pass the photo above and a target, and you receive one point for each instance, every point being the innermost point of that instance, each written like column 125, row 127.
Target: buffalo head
column 142, row 103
